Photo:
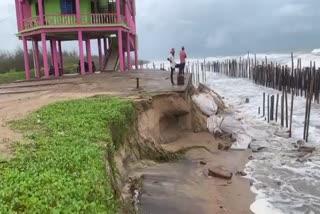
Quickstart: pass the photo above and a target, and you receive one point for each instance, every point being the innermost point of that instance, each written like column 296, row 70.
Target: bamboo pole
column 272, row 108
column 264, row 105
column 277, row 104
column 291, row 112
column 268, row 109
column 309, row 109
column 287, row 115
column 282, row 109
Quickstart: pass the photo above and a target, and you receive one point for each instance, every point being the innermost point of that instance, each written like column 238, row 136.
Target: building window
column 68, row 7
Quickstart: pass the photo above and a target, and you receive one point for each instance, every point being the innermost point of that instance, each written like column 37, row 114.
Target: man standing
column 183, row 56
column 172, row 64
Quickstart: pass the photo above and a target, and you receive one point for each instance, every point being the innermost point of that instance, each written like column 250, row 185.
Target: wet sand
column 184, row 187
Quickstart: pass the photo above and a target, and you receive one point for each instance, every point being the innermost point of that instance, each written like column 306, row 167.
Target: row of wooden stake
column 285, row 119
column 295, row 80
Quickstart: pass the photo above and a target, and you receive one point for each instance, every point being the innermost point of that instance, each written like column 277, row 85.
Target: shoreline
column 184, row 187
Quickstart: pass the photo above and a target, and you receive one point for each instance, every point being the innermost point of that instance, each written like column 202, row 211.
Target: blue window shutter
column 64, row 6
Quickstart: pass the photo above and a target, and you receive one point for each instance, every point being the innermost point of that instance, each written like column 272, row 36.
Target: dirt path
column 184, row 187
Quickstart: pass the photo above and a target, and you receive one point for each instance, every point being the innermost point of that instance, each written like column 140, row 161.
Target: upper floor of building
column 37, row 14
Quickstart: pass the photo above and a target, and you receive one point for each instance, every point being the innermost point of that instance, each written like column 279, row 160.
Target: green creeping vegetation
column 63, row 169
column 13, row 76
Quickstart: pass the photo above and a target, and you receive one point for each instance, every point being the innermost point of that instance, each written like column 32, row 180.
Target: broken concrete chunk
column 203, row 163
column 301, row 142
column 241, row 173
column 224, row 146
column 308, row 149
column 251, row 157
column 220, row 172
column 255, row 150
column 304, row 157
column 218, row 133
column 261, row 148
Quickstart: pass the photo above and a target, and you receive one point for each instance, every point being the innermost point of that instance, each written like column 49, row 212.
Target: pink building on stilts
column 111, row 23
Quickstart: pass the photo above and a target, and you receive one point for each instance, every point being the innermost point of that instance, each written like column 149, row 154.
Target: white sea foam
column 262, row 206
column 281, row 58
column 282, row 184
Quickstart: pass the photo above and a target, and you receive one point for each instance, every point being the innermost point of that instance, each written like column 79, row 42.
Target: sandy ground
column 19, row 98
column 184, row 187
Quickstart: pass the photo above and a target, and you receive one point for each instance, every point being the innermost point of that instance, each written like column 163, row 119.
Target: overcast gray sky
column 210, row 27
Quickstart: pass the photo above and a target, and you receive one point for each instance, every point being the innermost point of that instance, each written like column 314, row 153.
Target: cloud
column 291, row 10
column 209, row 27
column 221, row 27
column 185, row 22
column 298, row 28
column 218, row 39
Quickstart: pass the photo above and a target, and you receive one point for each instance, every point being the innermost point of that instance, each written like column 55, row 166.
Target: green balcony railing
column 71, row 19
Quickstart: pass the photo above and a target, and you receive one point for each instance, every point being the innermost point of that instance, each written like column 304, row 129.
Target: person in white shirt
column 172, row 61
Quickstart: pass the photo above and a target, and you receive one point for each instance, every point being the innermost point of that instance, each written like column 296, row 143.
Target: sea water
column 281, row 183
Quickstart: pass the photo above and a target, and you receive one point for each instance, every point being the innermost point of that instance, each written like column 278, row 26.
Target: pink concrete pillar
column 41, row 12
column 26, row 57
column 37, row 59
column 127, row 13
column 51, row 49
column 133, row 6
column 136, row 52
column 78, row 11
column 89, row 57
column 80, row 40
column 60, row 55
column 55, row 58
column 19, row 15
column 118, row 9
column 109, row 42
column 26, row 9
column 124, row 58
column 100, row 55
column 105, row 47
column 45, row 54
column 128, row 51
column 120, row 46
